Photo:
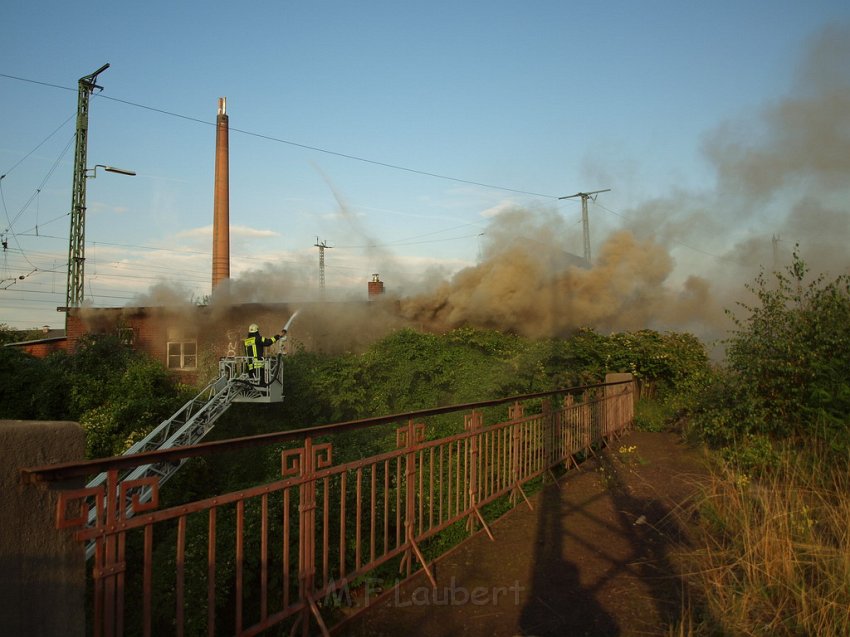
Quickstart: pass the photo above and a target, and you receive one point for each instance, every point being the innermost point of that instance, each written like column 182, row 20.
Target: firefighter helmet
column 253, row 329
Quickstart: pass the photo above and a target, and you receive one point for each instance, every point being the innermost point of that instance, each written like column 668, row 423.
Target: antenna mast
column 585, row 222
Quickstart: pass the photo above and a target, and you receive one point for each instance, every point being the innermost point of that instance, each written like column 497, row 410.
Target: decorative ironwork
column 403, row 434
column 293, row 462
column 321, row 526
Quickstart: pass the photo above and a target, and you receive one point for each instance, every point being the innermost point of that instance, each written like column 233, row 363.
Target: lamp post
column 77, row 250
column 91, row 173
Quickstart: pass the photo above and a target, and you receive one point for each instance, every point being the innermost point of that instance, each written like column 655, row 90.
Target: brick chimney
column 376, row 287
column 221, row 199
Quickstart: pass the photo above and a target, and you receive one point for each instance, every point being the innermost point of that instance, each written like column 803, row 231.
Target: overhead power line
column 288, row 142
column 39, row 145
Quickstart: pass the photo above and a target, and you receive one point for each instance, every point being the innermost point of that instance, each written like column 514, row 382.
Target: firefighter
column 255, row 344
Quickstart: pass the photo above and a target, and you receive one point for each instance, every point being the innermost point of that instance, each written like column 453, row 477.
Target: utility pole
column 775, row 252
column 77, row 247
column 321, row 246
column 585, row 222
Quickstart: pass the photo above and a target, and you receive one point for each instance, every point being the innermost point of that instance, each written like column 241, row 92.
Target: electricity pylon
column 77, row 247
column 321, row 246
column 585, row 222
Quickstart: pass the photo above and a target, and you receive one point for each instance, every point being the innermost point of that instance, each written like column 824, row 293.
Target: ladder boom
column 192, row 422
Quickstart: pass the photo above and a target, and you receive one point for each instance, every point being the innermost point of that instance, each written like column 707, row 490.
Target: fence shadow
column 558, row 604
column 603, row 560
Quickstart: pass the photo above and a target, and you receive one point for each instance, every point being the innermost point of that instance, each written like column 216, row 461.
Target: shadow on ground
column 593, row 557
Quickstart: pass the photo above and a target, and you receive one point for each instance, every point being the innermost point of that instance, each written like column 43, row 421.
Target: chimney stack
column 221, row 202
column 376, row 287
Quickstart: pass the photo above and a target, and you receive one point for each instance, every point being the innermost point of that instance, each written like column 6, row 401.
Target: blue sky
column 542, row 99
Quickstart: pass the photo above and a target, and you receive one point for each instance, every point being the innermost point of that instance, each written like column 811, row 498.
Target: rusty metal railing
column 276, row 553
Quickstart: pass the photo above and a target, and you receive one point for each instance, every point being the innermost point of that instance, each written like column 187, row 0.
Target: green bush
column 787, row 360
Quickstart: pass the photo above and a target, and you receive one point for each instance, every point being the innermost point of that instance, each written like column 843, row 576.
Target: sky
column 431, row 143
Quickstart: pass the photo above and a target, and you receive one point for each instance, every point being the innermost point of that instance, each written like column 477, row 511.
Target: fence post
column 473, row 423
column 304, row 462
column 553, row 439
column 410, row 436
column 619, row 403
column 43, row 583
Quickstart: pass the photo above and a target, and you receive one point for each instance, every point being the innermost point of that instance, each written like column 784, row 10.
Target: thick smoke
column 528, row 284
column 782, row 183
column 782, row 180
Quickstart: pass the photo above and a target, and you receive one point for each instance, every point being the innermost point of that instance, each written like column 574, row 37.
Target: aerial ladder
column 194, row 420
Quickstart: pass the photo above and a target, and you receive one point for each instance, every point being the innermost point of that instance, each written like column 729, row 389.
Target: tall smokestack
column 221, row 204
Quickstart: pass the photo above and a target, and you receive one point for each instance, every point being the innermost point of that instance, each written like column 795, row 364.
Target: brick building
column 185, row 339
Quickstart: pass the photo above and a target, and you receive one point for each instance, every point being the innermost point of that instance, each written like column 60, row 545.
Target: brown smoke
column 529, row 285
column 782, row 179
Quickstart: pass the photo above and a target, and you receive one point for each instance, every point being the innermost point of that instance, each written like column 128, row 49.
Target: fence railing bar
column 240, row 560
column 211, row 539
column 63, row 471
column 264, row 556
column 147, row 578
column 180, row 576
column 358, row 519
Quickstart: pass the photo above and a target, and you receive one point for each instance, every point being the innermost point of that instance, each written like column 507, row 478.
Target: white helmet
column 253, row 329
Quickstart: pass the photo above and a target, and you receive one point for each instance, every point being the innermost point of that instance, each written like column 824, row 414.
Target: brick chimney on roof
column 221, row 199
column 376, row 287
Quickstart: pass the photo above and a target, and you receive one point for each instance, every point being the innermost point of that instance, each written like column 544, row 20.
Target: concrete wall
column 42, row 569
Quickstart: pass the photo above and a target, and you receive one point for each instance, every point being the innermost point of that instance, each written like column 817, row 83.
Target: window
column 183, row 355
column 126, row 335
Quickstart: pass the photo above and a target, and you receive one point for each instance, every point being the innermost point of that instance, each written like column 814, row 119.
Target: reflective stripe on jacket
column 254, row 348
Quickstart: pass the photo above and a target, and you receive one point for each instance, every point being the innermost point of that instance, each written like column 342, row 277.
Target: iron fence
column 276, row 553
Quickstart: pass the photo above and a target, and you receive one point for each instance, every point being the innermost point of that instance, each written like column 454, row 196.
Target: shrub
column 787, row 365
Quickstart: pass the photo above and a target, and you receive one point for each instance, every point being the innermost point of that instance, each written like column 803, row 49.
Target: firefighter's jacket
column 254, row 347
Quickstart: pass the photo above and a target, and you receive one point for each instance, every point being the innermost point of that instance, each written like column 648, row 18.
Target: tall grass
column 772, row 556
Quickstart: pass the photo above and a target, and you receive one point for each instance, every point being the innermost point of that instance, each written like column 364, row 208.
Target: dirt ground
column 594, row 557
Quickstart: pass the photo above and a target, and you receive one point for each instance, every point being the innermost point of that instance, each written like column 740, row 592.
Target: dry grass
column 773, row 556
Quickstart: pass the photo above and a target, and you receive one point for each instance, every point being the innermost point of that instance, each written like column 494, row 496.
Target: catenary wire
column 287, row 142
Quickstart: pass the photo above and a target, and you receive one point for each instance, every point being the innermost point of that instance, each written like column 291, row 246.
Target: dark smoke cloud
column 799, row 146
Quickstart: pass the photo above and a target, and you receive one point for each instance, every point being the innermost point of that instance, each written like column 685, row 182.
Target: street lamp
column 76, row 248
column 76, row 256
column 91, row 173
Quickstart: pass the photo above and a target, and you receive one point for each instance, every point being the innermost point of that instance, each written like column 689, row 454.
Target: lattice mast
column 77, row 246
column 585, row 221
column 322, row 245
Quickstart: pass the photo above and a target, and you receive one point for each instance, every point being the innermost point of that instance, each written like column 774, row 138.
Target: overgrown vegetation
column 116, row 394
column 112, row 391
column 772, row 538
column 774, row 553
column 774, row 544
column 785, row 377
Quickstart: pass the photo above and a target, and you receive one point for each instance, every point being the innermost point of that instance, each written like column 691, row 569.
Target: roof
column 50, row 336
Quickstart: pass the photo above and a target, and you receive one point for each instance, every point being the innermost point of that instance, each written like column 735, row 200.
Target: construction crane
column 193, row 421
